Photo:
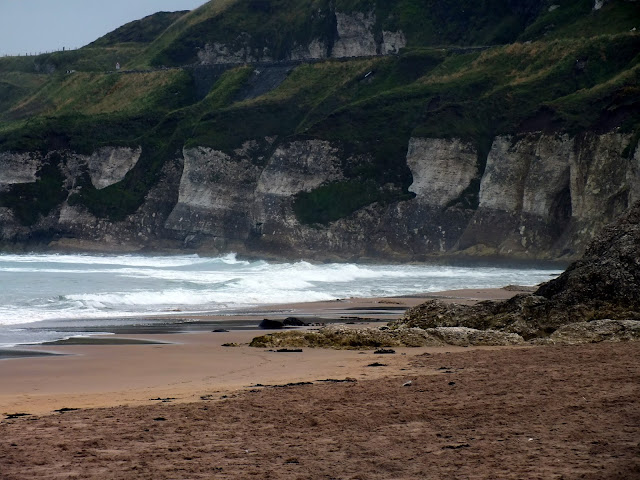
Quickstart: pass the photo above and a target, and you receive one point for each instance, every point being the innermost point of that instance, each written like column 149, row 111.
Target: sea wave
column 65, row 286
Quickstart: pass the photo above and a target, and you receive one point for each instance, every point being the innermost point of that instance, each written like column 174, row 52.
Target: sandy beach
column 192, row 364
column 193, row 408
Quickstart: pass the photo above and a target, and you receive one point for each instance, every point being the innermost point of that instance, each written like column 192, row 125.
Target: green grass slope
column 566, row 68
column 144, row 30
column 280, row 25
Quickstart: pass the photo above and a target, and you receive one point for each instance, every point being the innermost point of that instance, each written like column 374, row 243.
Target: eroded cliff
column 340, row 35
column 537, row 196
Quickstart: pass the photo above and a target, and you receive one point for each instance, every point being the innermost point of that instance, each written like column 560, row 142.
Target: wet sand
column 114, row 370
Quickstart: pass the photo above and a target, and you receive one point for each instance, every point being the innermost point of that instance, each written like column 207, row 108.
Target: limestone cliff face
column 548, row 194
column 18, row 167
column 228, row 200
column 106, row 166
column 299, row 166
column 441, row 169
column 73, row 226
column 604, row 181
column 293, row 168
column 392, row 42
column 240, row 52
column 535, row 167
column 539, row 196
column 215, row 191
column 109, row 165
column 353, row 35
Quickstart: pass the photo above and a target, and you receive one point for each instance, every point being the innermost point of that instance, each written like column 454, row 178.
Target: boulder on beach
column 293, row 322
column 268, row 324
column 597, row 331
column 463, row 336
column 341, row 337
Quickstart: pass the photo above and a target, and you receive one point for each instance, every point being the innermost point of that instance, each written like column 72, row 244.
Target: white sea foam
column 42, row 287
column 124, row 260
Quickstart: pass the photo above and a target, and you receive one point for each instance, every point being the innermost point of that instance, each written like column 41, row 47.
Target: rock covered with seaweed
column 343, row 337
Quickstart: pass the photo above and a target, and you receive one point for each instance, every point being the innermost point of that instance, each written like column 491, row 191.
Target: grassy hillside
column 560, row 69
column 96, row 93
column 280, row 25
column 145, row 30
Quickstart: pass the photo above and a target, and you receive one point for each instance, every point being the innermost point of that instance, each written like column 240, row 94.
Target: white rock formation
column 392, row 42
column 441, row 168
column 215, row 193
column 109, row 165
column 603, row 180
column 355, row 35
column 525, row 174
column 299, row 166
column 18, row 167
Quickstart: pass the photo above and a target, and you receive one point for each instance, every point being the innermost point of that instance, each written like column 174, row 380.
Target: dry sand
column 533, row 412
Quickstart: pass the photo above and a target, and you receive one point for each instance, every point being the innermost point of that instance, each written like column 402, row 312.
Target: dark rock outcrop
column 293, row 322
column 268, row 324
column 603, row 284
column 607, row 277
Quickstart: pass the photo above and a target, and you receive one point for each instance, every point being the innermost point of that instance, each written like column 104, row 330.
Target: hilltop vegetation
column 145, row 30
column 554, row 66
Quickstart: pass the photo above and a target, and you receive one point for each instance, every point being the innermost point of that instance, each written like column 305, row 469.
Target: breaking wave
column 53, row 286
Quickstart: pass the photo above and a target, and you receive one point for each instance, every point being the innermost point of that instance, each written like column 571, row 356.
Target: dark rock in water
column 603, row 284
column 220, row 330
column 271, row 324
column 293, row 322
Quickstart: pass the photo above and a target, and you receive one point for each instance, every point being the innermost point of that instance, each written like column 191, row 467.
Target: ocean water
column 65, row 290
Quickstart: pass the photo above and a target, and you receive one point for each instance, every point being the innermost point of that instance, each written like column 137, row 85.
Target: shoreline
column 189, row 360
column 353, row 309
